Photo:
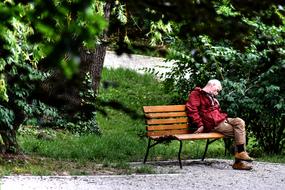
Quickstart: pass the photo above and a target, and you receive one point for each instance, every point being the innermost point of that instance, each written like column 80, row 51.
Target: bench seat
column 199, row 136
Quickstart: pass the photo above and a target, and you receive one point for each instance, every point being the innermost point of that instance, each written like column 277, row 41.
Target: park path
column 139, row 63
column 195, row 175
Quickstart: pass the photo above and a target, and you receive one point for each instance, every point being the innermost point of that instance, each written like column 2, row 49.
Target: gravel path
column 210, row 174
column 139, row 63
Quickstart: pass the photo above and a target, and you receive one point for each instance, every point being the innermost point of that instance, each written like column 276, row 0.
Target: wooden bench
column 170, row 122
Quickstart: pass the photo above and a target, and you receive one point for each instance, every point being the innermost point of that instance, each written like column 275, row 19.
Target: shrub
column 252, row 78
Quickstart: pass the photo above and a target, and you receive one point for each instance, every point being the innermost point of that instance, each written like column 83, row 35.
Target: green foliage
column 3, row 90
column 120, row 12
column 81, row 124
column 144, row 170
column 19, row 69
column 158, row 30
column 252, row 78
column 61, row 27
column 38, row 34
column 7, row 117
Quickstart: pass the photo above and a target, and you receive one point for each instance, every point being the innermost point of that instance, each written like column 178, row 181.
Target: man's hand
column 200, row 130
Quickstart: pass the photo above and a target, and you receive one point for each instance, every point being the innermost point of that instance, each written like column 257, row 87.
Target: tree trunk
column 9, row 133
column 65, row 94
column 92, row 60
column 9, row 141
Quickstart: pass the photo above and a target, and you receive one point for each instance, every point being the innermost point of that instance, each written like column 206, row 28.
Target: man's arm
column 193, row 106
column 199, row 130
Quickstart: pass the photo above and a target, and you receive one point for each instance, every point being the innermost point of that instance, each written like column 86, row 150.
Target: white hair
column 214, row 82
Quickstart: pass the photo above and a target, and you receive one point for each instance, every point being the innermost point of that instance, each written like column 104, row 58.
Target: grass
column 121, row 141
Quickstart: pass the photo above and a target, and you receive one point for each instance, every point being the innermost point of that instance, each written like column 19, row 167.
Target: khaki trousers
column 233, row 127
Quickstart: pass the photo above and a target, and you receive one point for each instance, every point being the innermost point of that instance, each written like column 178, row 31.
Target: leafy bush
column 252, row 78
column 19, row 73
column 38, row 34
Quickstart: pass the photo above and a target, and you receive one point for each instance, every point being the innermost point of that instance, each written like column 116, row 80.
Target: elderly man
column 205, row 113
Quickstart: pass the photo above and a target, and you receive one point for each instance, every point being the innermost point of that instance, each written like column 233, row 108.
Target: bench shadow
column 215, row 164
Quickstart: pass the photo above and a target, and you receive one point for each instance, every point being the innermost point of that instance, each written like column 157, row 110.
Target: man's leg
column 238, row 127
column 235, row 127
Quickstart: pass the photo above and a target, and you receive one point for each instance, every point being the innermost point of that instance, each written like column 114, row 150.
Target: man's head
column 213, row 87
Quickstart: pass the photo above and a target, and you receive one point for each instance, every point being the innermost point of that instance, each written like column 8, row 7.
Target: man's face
column 215, row 89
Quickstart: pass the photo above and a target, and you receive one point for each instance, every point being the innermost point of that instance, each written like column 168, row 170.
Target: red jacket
column 204, row 110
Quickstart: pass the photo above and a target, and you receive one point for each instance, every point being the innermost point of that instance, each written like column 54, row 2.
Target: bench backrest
column 166, row 120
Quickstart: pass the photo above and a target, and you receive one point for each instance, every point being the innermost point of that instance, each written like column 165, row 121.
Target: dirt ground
column 210, row 174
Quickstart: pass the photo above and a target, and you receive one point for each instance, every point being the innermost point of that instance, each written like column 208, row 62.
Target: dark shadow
column 217, row 164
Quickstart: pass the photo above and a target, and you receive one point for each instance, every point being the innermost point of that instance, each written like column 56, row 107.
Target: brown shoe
column 238, row 165
column 243, row 156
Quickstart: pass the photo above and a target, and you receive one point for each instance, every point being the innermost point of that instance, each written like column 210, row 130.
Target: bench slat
column 167, row 132
column 167, row 127
column 166, row 121
column 165, row 114
column 211, row 135
column 164, row 108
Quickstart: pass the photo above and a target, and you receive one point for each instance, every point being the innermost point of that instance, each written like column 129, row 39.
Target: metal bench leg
column 146, row 154
column 206, row 148
column 179, row 158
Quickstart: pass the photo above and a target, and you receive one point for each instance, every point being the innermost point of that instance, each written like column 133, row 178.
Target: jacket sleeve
column 192, row 107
